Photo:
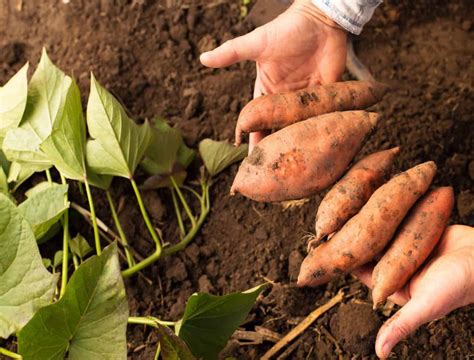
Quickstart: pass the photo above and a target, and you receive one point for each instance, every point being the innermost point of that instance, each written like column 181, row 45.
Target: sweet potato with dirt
column 369, row 231
column 303, row 158
column 350, row 193
column 276, row 111
column 415, row 239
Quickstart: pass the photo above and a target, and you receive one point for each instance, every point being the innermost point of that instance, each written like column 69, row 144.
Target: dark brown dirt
column 146, row 53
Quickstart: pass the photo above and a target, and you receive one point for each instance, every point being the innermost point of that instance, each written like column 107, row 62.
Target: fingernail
column 204, row 57
column 386, row 348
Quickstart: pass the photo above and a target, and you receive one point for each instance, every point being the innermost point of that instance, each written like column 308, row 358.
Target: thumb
column 415, row 313
column 246, row 47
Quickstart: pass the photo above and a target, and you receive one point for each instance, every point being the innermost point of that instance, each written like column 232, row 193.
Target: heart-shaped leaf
column 185, row 155
column 65, row 146
column 162, row 153
column 80, row 246
column 90, row 320
column 46, row 96
column 39, row 188
column 117, row 144
column 25, row 284
column 19, row 173
column 209, row 321
column 23, row 145
column 45, row 208
column 172, row 347
column 13, row 101
column 217, row 155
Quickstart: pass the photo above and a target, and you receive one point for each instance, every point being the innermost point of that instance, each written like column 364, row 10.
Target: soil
column 146, row 53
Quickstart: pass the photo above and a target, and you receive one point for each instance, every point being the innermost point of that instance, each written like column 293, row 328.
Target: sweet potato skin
column 303, row 158
column 415, row 239
column 368, row 232
column 276, row 111
column 350, row 193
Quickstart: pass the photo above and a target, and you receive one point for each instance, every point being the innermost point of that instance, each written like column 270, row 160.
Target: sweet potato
column 369, row 231
column 276, row 111
column 414, row 241
column 303, row 158
column 350, row 193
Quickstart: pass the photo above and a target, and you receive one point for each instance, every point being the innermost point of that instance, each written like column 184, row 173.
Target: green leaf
column 217, row 155
column 185, row 155
column 44, row 209
column 90, row 320
column 209, row 321
column 46, row 96
column 163, row 150
column 65, row 146
column 80, row 246
column 19, row 173
column 172, row 347
column 58, row 259
column 39, row 188
column 117, row 144
column 13, row 100
column 25, row 284
column 3, row 182
column 23, row 145
column 46, row 263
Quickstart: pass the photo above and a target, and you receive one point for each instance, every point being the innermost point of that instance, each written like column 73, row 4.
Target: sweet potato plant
column 84, row 316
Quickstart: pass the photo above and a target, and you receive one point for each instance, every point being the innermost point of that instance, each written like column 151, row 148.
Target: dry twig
column 303, row 325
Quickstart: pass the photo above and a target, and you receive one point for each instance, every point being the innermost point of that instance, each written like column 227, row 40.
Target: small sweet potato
column 350, row 193
column 303, row 158
column 276, row 111
column 414, row 241
column 369, row 231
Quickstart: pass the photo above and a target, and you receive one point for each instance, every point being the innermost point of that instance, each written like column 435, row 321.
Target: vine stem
column 205, row 208
column 66, row 238
column 123, row 238
column 98, row 249
column 48, row 176
column 145, row 216
column 149, row 320
column 10, row 354
column 183, row 201
column 178, row 213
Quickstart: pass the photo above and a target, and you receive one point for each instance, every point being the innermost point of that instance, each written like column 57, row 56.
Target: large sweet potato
column 414, row 241
column 350, row 193
column 367, row 233
column 276, row 111
column 303, row 158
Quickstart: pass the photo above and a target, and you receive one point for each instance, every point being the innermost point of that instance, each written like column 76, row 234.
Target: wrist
column 311, row 11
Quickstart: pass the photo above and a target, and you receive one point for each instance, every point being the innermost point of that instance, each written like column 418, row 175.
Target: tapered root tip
column 373, row 118
column 395, row 150
column 377, row 297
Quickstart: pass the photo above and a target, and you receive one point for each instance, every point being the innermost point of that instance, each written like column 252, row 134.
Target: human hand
column 299, row 48
column 444, row 284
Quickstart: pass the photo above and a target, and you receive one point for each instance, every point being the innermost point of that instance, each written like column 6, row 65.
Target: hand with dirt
column 444, row 284
column 300, row 48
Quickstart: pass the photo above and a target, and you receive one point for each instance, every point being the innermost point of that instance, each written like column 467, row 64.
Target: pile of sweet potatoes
column 365, row 214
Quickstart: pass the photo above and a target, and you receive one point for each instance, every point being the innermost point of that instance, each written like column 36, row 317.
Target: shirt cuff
column 350, row 14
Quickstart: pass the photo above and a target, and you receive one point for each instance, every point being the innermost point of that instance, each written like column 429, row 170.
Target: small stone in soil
column 177, row 270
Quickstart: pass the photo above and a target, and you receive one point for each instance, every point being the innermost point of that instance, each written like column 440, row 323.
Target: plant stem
column 183, row 201
column 10, row 354
column 145, row 216
column 158, row 351
column 93, row 217
column 75, row 261
column 64, row 272
column 178, row 213
column 48, row 176
column 205, row 208
column 123, row 238
column 149, row 320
